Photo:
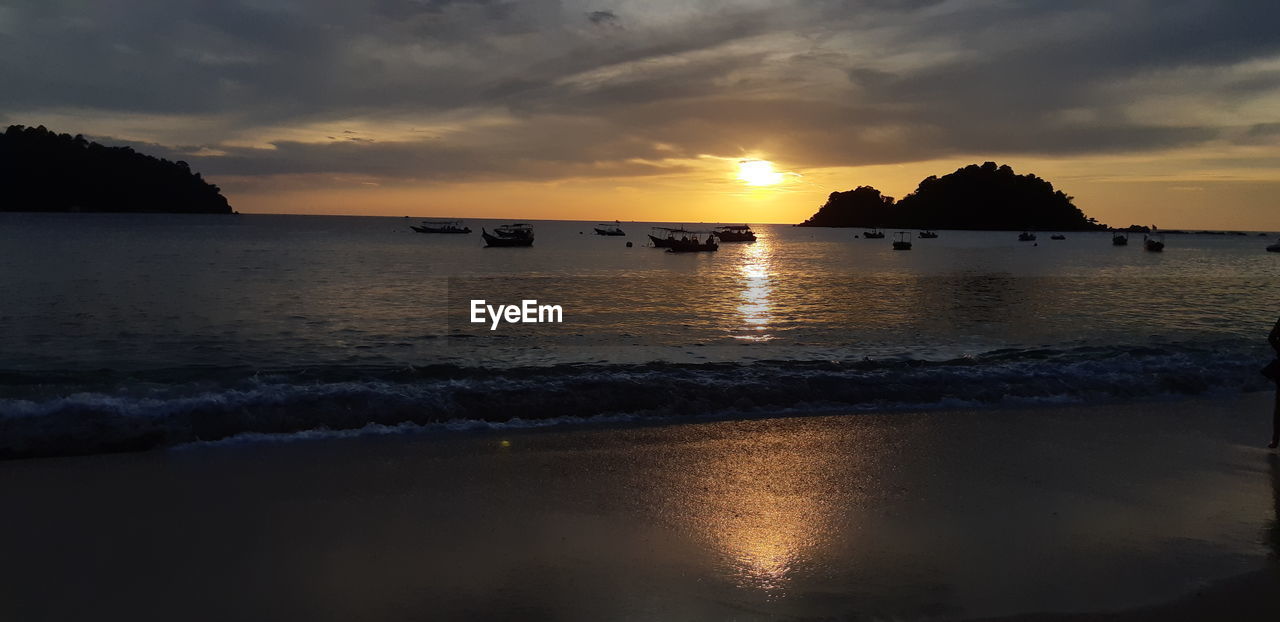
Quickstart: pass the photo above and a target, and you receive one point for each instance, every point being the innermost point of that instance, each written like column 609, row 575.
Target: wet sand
column 1147, row 510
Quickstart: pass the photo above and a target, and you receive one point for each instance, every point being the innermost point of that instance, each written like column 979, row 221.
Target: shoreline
column 956, row 514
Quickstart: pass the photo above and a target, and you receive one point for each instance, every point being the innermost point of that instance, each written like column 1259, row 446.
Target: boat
column 928, row 235
column 902, row 241
column 1026, row 236
column 608, row 229
column 1119, row 239
column 874, row 233
column 662, row 237
column 735, row 233
column 1057, row 236
column 517, row 234
column 692, row 242
column 1153, row 242
column 441, row 226
column 1274, row 248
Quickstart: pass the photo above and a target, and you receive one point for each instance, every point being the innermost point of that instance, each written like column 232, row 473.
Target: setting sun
column 758, row 173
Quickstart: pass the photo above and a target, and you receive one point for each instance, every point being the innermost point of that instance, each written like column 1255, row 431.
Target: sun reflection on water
column 755, row 308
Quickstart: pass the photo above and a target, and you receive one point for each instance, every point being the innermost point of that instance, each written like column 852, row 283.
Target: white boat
column 441, row 226
column 608, row 229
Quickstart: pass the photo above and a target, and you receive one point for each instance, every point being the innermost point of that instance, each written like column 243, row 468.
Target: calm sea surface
column 207, row 326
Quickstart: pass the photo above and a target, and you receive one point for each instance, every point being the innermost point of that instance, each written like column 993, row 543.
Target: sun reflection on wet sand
column 756, row 308
column 768, row 508
column 765, row 538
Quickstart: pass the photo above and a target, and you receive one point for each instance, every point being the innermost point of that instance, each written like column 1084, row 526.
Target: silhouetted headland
column 43, row 171
column 986, row 197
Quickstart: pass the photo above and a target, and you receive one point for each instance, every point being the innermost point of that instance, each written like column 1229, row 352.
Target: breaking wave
column 62, row 413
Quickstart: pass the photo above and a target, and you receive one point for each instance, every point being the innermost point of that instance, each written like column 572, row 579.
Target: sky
column 1147, row 112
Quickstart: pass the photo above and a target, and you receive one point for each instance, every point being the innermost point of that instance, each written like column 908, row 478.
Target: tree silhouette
column 43, row 171
column 983, row 196
column 863, row 206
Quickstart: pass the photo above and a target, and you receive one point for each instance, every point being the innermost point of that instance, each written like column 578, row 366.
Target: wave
column 64, row 413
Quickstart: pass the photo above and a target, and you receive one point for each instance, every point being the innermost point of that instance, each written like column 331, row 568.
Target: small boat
column 1119, row 239
column 662, row 237
column 441, row 226
column 874, row 233
column 1153, row 242
column 518, row 234
column 928, row 235
column 694, row 241
column 1057, row 236
column 1274, row 248
column 1026, row 236
column 608, row 229
column 735, row 233
column 902, row 241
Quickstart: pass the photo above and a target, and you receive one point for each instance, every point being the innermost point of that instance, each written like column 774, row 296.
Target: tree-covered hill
column 43, row 171
column 974, row 197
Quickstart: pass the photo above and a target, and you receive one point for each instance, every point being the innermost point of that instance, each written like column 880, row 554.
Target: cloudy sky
column 1161, row 111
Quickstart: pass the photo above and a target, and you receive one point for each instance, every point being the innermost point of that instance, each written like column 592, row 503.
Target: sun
column 758, row 173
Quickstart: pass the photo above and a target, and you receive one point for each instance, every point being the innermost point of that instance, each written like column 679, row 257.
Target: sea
column 136, row 331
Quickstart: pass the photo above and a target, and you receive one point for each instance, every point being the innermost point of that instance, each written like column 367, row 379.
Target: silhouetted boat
column 665, row 235
column 735, row 233
column 1274, row 248
column 928, row 235
column 1153, row 242
column 1057, row 236
column 441, row 226
column 608, row 229
column 1119, row 239
column 874, row 233
column 695, row 241
column 1026, row 236
column 902, row 241
column 518, row 234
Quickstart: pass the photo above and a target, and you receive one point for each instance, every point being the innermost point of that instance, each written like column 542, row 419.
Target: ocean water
column 137, row 330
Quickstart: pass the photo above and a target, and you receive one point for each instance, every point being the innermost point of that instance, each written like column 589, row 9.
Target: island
column 43, row 171
column 983, row 197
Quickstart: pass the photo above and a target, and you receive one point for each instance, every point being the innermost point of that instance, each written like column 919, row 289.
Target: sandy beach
column 1135, row 509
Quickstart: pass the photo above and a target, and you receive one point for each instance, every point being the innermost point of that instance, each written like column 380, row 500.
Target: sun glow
column 758, row 173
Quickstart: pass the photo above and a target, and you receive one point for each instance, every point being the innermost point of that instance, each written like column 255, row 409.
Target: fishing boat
column 902, row 241
column 874, row 233
column 928, row 235
column 735, row 233
column 1026, row 236
column 1153, row 242
column 517, row 234
column 693, row 241
column 1119, row 239
column 662, row 237
column 1057, row 236
column 441, row 226
column 608, row 229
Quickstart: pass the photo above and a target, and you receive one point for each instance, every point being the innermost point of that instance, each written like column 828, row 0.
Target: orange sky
column 1194, row 201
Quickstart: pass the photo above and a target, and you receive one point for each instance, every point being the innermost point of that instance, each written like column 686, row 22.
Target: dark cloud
column 603, row 18
column 815, row 83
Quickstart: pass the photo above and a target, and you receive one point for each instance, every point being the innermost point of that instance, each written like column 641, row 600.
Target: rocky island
column 985, row 197
column 43, row 171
